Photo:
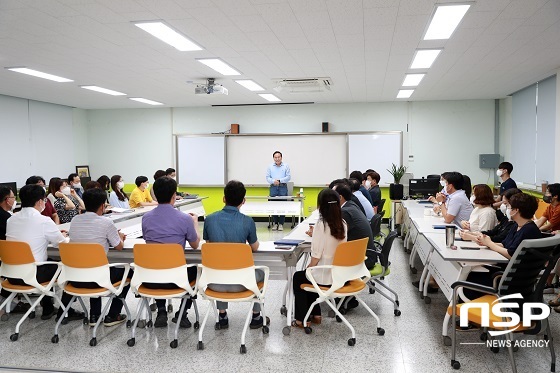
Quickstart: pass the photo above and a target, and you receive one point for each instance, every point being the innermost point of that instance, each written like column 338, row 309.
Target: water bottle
column 301, row 192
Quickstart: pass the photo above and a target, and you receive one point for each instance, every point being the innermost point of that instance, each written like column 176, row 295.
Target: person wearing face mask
column 67, row 204
column 117, row 198
column 372, row 185
column 443, row 193
column 49, row 210
column 170, row 172
column 75, row 183
column 7, row 206
column 157, row 175
column 504, row 171
column 500, row 231
column 550, row 220
column 457, row 207
column 140, row 196
column 483, row 217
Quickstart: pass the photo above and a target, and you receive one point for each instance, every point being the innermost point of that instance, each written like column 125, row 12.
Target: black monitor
column 12, row 186
column 423, row 188
column 84, row 180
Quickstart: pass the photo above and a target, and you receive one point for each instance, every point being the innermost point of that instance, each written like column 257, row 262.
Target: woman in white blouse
column 329, row 231
column 483, row 217
column 117, row 198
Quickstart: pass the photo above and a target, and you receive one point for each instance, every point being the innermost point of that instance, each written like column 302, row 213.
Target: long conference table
column 282, row 262
column 443, row 264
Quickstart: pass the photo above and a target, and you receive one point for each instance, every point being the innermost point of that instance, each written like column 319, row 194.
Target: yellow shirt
column 137, row 196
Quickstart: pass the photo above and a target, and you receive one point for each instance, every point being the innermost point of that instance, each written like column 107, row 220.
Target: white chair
column 231, row 263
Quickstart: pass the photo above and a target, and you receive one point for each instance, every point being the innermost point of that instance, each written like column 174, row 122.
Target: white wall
column 505, row 128
column 129, row 142
column 38, row 139
column 80, row 132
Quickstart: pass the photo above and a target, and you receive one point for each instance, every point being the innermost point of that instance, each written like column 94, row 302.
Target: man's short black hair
column 169, row 171
column 34, row 180
column 510, row 192
column 357, row 175
column 525, row 203
column 354, row 184
column 554, row 189
column 140, row 179
column 159, row 173
column 164, row 189
column 4, row 192
column 94, row 198
column 71, row 177
column 30, row 194
column 276, row 152
column 454, row 178
column 234, row 192
column 344, row 191
column 506, row 166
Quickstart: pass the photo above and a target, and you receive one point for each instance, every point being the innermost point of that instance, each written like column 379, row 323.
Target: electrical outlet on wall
column 311, row 208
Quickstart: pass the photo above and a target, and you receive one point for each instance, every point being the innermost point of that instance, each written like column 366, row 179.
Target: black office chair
column 520, row 276
column 381, row 204
column 375, row 224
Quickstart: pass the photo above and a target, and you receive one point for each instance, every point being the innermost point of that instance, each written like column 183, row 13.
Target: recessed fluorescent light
column 269, row 97
column 102, row 90
column 219, row 66
column 38, row 74
column 424, row 58
column 405, row 93
column 250, row 85
column 166, row 34
column 145, row 101
column 445, row 20
column 412, row 80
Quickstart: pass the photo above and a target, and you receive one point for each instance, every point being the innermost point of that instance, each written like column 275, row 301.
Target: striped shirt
column 92, row 228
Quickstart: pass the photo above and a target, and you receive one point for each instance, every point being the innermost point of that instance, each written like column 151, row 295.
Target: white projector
column 210, row 90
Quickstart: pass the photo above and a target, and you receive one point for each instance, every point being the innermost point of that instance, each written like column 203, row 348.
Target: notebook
column 443, row 226
column 190, row 196
column 286, row 241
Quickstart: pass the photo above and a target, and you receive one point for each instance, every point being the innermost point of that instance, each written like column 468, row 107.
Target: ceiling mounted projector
column 210, row 88
column 304, row 85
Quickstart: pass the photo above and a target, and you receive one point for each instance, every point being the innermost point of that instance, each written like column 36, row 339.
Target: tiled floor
column 412, row 342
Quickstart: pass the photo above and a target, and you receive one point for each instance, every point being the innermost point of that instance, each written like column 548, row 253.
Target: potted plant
column 396, row 189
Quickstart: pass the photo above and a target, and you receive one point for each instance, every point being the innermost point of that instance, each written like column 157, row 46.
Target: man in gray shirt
column 458, row 207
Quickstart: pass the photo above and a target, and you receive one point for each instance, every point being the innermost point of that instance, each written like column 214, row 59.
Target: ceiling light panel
column 269, row 97
column 39, row 74
column 168, row 35
column 424, row 58
column 250, row 85
column 145, row 101
column 405, row 93
column 102, row 90
column 412, row 80
column 218, row 65
column 445, row 20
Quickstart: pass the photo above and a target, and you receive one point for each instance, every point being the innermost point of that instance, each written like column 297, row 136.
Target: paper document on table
column 120, row 210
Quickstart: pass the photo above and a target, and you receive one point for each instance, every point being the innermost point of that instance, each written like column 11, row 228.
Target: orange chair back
column 542, row 208
column 159, row 255
column 227, row 256
column 350, row 253
column 16, row 252
column 83, row 255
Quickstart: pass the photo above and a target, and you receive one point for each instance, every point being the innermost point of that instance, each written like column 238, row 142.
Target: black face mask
column 547, row 199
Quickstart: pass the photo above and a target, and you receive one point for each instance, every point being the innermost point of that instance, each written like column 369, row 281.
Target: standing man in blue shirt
column 277, row 176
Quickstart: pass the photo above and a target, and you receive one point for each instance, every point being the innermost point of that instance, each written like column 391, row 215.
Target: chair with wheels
column 18, row 263
column 161, row 264
column 516, row 286
column 381, row 270
column 232, row 264
column 375, row 224
column 88, row 263
column 349, row 277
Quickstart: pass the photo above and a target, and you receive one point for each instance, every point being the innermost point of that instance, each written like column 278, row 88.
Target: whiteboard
column 377, row 151
column 201, row 160
column 314, row 159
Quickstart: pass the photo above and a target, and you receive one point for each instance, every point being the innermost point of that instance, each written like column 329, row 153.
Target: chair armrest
column 126, row 267
column 266, row 271
column 473, row 286
column 53, row 279
column 309, row 275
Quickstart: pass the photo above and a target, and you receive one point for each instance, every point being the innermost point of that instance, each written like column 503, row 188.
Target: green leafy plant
column 397, row 172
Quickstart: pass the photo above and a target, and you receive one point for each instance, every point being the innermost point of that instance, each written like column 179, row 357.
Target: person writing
column 277, row 176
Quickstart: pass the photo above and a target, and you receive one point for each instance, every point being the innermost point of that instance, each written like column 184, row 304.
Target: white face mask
column 45, row 189
column 174, row 178
column 499, row 173
column 120, row 184
column 503, row 208
column 472, row 199
column 13, row 207
column 443, row 183
column 508, row 213
column 147, row 185
column 368, row 184
column 66, row 190
column 77, row 186
column 43, row 208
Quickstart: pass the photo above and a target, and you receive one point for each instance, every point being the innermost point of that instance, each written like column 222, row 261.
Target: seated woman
column 500, row 231
column 483, row 217
column 117, row 198
column 67, row 203
column 329, row 231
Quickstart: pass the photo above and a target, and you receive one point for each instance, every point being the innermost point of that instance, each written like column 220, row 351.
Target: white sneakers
column 277, row 227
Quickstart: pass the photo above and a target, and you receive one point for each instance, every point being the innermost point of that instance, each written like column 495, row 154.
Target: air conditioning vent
column 304, row 85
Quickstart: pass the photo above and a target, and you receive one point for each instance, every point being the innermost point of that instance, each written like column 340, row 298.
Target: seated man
column 550, row 220
column 458, row 207
column 361, row 179
column 49, row 210
column 140, row 196
column 354, row 198
column 372, row 185
column 93, row 227
column 229, row 225
column 39, row 231
column 355, row 187
column 166, row 224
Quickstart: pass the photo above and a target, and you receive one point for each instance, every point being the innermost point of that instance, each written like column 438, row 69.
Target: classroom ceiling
column 364, row 46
